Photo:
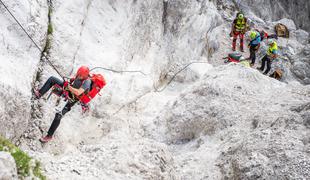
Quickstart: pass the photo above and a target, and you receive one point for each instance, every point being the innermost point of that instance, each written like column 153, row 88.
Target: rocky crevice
column 36, row 114
column 164, row 16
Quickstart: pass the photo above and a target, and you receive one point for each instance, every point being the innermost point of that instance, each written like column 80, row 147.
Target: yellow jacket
column 273, row 49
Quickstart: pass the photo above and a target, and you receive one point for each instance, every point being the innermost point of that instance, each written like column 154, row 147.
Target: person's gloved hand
column 66, row 83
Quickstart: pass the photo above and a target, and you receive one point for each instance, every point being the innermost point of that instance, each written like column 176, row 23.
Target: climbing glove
column 66, row 83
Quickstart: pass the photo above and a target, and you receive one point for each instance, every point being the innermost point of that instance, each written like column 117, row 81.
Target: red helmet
column 83, row 72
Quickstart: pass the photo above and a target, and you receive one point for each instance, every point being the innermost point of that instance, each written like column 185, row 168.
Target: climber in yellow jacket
column 272, row 53
column 239, row 28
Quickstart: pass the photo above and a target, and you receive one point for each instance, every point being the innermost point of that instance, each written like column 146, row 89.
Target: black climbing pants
column 253, row 49
column 50, row 83
column 265, row 60
column 58, row 117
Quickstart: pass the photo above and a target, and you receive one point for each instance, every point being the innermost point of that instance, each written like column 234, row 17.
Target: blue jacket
column 255, row 41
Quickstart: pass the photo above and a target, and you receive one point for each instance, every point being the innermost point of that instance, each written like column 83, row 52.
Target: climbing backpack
column 277, row 74
column 98, row 82
column 281, row 30
column 233, row 57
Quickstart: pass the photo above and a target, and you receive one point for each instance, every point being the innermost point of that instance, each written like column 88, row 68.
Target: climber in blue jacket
column 254, row 45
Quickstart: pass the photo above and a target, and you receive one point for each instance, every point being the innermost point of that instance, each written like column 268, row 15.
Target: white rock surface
column 19, row 59
column 7, row 167
column 301, row 65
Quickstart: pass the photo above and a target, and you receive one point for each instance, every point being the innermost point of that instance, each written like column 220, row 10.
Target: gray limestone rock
column 7, row 167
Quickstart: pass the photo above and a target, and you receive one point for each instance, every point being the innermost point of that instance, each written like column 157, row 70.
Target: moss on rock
column 25, row 165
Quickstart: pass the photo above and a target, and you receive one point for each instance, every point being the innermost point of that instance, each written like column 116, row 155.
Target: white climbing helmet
column 270, row 41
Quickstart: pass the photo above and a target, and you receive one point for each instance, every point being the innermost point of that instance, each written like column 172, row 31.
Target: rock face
column 301, row 65
column 7, row 167
column 15, row 112
column 219, row 121
column 275, row 10
column 260, row 136
column 19, row 60
column 136, row 160
column 266, row 155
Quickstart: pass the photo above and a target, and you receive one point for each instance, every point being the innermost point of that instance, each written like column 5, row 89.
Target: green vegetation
column 49, row 16
column 49, row 29
column 37, row 171
column 23, row 161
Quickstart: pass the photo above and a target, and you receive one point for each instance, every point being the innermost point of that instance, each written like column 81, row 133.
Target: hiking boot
column 233, row 49
column 260, row 69
column 37, row 94
column 242, row 50
column 46, row 139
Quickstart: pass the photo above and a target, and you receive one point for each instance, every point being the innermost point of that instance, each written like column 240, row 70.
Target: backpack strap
column 71, row 80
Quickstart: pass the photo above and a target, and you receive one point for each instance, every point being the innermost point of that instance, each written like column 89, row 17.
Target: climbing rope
column 195, row 62
column 42, row 53
column 117, row 71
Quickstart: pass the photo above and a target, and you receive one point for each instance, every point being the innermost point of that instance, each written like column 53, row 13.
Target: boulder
column 288, row 23
column 301, row 36
column 301, row 65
